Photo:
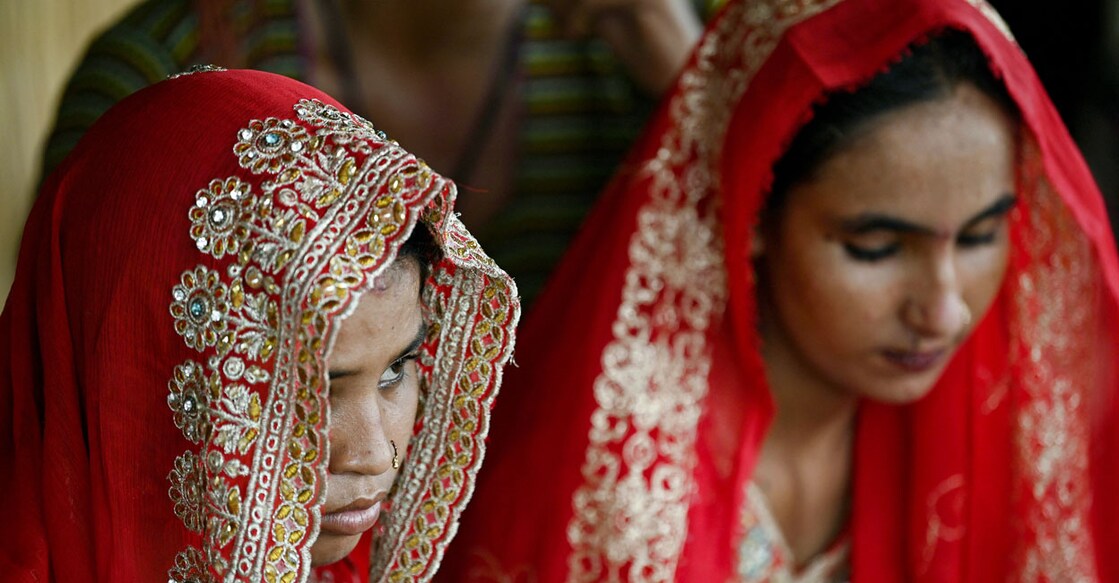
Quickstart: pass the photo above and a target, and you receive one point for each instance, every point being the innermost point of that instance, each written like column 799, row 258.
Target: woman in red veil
column 246, row 328
column 944, row 270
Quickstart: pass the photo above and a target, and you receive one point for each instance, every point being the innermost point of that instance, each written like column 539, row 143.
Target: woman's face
column 885, row 259
column 374, row 391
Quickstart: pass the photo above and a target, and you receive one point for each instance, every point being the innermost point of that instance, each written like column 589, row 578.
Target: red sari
column 633, row 423
column 163, row 396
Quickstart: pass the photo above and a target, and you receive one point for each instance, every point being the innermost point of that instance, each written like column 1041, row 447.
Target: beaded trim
column 196, row 69
column 324, row 205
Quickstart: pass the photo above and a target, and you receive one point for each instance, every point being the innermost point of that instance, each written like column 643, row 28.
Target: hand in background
column 652, row 38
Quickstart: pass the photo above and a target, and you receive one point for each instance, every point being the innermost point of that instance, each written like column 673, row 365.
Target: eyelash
column 875, row 254
column 977, row 240
column 399, row 377
column 871, row 255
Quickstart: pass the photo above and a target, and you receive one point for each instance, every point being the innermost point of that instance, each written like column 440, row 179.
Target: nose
column 936, row 305
column 358, row 443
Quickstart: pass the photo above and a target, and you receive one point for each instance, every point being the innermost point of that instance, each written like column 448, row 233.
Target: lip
column 915, row 361
column 353, row 519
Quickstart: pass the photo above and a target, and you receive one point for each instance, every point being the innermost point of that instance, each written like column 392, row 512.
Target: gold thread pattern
column 630, row 513
column 333, row 202
column 218, row 217
column 196, row 69
column 1057, row 297
column 468, row 350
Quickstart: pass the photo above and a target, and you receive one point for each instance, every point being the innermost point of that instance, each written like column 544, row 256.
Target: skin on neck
column 804, row 467
column 809, row 412
column 857, row 269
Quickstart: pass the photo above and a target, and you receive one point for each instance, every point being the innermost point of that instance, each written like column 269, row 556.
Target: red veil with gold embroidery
column 608, row 462
column 163, row 401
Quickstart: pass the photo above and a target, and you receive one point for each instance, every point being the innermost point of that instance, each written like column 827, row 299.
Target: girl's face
column 884, row 260
column 374, row 391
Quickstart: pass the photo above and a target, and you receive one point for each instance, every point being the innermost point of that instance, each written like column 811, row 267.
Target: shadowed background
column 1074, row 47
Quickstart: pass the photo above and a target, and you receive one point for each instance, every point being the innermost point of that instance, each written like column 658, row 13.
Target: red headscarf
column 163, row 400
column 613, row 459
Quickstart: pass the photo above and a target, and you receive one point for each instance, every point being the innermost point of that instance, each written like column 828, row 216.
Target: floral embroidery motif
column 236, row 416
column 450, row 454
column 334, row 202
column 189, row 568
column 1056, row 300
column 270, row 145
column 200, row 307
column 189, row 399
column 630, row 513
column 217, row 217
column 186, row 491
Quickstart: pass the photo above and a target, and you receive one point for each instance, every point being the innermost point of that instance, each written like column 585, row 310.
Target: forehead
column 385, row 316
column 933, row 161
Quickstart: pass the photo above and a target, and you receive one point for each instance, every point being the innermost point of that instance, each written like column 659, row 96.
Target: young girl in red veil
column 248, row 340
column 848, row 313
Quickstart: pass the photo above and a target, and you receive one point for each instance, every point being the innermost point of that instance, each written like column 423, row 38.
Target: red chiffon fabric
column 163, row 394
column 633, row 422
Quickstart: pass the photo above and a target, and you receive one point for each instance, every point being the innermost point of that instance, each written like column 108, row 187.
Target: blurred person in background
column 528, row 104
column 849, row 312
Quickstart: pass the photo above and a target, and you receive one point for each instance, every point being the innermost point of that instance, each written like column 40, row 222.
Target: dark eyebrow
column 998, row 209
column 871, row 222
column 417, row 341
column 414, row 345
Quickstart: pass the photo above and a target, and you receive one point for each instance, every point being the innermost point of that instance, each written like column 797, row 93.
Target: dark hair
column 926, row 72
column 420, row 247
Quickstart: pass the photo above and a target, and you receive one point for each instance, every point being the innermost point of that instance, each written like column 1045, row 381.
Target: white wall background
column 40, row 43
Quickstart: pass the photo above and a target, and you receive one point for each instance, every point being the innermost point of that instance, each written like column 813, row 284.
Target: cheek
column 399, row 408
column 347, row 417
column 823, row 291
column 983, row 273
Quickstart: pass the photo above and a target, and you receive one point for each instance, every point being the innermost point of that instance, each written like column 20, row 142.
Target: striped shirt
column 581, row 111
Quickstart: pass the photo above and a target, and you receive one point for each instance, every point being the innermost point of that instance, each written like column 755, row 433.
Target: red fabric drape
column 163, row 396
column 639, row 406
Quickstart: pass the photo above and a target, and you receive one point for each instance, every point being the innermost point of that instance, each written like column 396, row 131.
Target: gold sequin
column 255, row 399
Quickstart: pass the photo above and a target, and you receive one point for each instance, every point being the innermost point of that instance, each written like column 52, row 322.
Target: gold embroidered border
column 298, row 245
column 1056, row 301
column 473, row 314
column 630, row 513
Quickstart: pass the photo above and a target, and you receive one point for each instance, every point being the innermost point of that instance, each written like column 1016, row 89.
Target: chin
column 331, row 548
column 900, row 396
column 905, row 390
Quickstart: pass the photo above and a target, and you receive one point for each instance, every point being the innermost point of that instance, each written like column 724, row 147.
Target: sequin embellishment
column 195, row 69
column 286, row 250
column 200, row 306
column 217, row 217
column 189, row 399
